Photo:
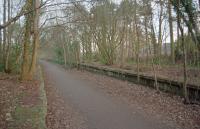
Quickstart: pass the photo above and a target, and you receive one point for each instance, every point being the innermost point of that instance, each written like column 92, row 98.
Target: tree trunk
column 78, row 56
column 153, row 39
column 146, row 40
column 185, row 71
column 137, row 44
column 160, row 31
column 1, row 55
column 185, row 92
column 7, row 69
column 178, row 34
column 36, row 38
column 122, row 55
column 64, row 54
column 171, row 32
column 26, row 61
column 122, row 51
column 4, row 31
column 155, row 77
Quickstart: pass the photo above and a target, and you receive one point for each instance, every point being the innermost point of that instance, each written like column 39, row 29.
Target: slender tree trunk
column 64, row 54
column 155, row 77
column 153, row 38
column 153, row 41
column 178, row 34
column 78, row 56
column 138, row 52
column 160, row 31
column 171, row 32
column 83, row 49
column 1, row 55
column 137, row 44
column 26, row 61
column 138, row 68
column 7, row 69
column 131, row 49
column 122, row 55
column 4, row 31
column 36, row 38
column 166, row 54
column 122, row 50
column 185, row 92
column 146, row 38
column 185, row 71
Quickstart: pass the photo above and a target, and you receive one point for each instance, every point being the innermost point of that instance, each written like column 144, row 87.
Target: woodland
column 55, row 55
column 156, row 37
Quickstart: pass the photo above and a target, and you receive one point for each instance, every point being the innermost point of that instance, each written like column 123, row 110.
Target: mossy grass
column 31, row 116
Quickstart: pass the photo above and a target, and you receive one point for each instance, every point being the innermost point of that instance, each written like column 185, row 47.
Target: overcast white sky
column 17, row 5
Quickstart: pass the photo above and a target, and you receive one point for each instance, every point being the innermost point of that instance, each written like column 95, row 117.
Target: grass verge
column 31, row 107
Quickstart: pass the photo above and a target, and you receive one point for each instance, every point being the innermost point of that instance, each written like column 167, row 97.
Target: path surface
column 100, row 110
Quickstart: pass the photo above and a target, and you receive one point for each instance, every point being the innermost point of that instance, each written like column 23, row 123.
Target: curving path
column 100, row 110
